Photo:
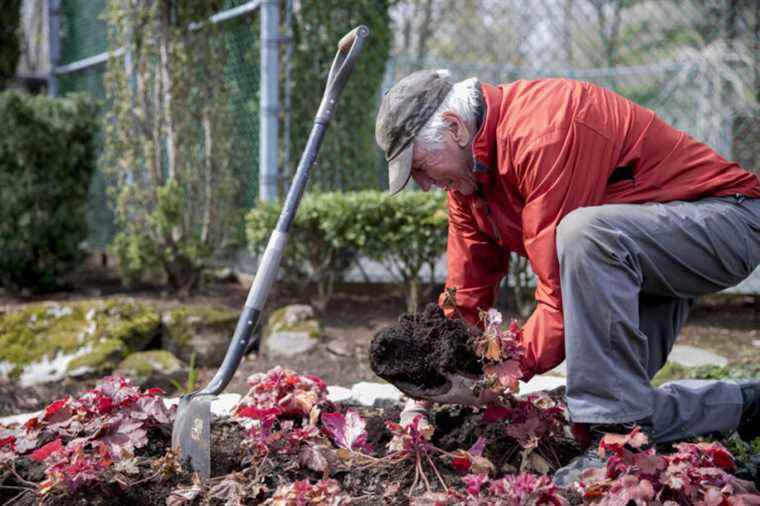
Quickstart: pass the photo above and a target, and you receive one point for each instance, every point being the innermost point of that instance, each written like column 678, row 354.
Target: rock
column 378, row 395
column 690, row 356
column 49, row 341
column 224, row 404
column 292, row 330
column 338, row 394
column 198, row 331
column 102, row 359
column 288, row 344
column 338, row 347
column 154, row 368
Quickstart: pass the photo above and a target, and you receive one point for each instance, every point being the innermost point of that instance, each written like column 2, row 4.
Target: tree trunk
column 166, row 85
column 425, row 31
column 412, row 294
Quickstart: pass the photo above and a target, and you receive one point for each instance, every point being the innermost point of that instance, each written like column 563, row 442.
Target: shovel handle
column 348, row 39
column 348, row 51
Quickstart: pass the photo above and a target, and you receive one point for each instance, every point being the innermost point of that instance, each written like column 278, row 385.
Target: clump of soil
column 416, row 353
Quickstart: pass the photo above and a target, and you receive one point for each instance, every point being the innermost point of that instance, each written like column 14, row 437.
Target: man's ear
column 459, row 131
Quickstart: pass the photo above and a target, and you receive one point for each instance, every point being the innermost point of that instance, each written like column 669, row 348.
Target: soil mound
column 415, row 353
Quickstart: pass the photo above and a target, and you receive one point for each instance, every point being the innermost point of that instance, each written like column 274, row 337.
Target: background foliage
column 348, row 157
column 47, row 158
column 167, row 144
column 10, row 39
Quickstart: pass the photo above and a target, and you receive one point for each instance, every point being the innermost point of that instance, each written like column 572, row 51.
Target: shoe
column 590, row 458
column 749, row 424
column 571, row 473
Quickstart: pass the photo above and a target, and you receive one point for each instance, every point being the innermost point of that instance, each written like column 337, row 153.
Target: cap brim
column 400, row 170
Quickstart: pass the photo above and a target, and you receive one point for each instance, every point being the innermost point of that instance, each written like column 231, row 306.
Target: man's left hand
column 461, row 392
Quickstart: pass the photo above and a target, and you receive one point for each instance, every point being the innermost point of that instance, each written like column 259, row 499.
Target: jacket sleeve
column 559, row 171
column 476, row 264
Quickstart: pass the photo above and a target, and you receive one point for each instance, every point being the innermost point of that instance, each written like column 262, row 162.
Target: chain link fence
column 695, row 62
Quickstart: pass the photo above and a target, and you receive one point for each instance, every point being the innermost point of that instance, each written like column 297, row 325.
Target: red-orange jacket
column 547, row 147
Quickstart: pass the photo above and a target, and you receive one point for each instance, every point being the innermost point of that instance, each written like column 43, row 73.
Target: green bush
column 404, row 233
column 47, row 158
column 314, row 253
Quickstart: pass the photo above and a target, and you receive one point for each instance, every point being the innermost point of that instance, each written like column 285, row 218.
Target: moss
column 143, row 363
column 40, row 330
column 673, row 371
column 670, row 372
column 277, row 323
column 103, row 358
column 182, row 321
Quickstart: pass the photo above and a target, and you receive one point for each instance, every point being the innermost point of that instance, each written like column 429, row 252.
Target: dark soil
column 415, row 353
column 456, row 427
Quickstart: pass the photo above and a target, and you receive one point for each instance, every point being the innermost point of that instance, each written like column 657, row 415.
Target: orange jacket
column 548, row 147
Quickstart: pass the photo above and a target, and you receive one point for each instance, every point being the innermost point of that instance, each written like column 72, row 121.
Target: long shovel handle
column 348, row 51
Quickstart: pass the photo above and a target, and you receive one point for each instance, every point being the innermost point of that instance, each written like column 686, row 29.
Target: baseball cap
column 404, row 110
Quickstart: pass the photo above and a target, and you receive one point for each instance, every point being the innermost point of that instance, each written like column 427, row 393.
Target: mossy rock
column 43, row 342
column 154, row 368
column 198, row 330
column 292, row 330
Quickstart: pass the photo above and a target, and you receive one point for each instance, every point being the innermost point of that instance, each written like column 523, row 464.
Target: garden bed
column 286, row 444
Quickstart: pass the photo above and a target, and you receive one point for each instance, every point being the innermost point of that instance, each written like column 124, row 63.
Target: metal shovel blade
column 194, row 420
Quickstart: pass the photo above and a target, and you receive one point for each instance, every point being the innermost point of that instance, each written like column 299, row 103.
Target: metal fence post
column 54, row 41
column 269, row 65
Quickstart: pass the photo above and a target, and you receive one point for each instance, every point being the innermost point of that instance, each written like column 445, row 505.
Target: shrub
column 404, row 233
column 47, row 158
column 314, row 253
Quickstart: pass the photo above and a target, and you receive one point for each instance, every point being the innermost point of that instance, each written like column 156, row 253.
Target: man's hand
column 460, row 391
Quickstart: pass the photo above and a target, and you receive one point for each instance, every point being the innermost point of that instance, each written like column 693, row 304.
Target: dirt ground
column 728, row 325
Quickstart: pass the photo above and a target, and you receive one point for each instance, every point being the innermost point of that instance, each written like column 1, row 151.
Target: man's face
column 448, row 166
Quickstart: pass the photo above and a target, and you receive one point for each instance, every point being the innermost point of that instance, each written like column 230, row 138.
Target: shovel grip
column 348, row 39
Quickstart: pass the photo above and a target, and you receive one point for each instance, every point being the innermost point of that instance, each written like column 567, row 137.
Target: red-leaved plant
column 501, row 352
column 512, row 490
column 282, row 408
column 698, row 473
column 80, row 439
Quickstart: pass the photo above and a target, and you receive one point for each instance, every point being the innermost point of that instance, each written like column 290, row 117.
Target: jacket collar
column 484, row 144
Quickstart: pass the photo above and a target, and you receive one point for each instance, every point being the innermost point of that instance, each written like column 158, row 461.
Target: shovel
column 190, row 434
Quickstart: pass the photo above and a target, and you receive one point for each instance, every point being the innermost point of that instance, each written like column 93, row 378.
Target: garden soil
column 416, row 353
column 456, row 427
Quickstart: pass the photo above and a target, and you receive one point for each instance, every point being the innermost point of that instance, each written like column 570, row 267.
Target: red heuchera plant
column 79, row 439
column 500, row 351
column 698, row 473
column 347, row 431
column 512, row 490
column 528, row 419
column 284, row 408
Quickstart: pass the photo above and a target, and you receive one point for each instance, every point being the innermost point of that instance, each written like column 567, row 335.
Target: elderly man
column 625, row 220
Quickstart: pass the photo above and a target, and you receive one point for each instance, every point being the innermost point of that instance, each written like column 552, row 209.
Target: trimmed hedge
column 331, row 230
column 47, row 158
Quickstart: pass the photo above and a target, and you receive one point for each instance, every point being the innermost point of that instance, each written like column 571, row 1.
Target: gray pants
column 629, row 274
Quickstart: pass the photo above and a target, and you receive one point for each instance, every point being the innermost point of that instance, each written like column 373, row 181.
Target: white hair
column 463, row 100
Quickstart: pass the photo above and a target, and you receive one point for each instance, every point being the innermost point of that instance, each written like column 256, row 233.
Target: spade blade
column 190, row 434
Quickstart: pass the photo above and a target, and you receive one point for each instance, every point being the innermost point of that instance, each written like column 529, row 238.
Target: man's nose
column 422, row 181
